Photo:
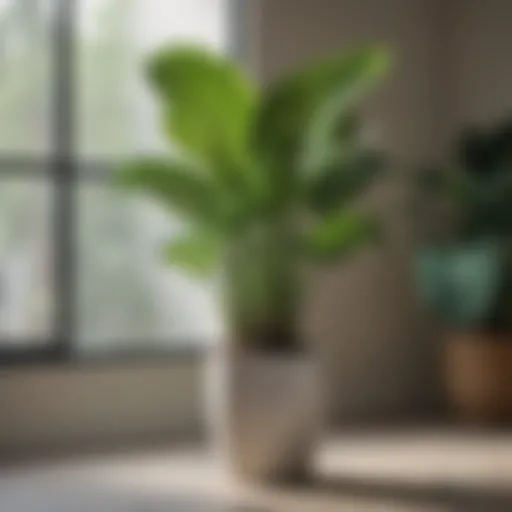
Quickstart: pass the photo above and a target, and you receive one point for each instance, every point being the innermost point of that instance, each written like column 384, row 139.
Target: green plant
column 465, row 275
column 265, row 179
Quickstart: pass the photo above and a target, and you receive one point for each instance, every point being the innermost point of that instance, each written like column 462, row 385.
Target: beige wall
column 483, row 42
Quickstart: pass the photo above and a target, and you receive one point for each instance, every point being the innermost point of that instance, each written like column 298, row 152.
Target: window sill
column 54, row 358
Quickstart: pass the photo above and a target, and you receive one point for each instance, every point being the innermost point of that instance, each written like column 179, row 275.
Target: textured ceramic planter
column 478, row 372
column 265, row 413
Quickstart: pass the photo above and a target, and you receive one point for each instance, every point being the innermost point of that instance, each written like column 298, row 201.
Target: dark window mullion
column 65, row 175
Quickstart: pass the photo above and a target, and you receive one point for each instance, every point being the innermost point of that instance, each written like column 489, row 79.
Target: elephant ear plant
column 466, row 277
column 264, row 177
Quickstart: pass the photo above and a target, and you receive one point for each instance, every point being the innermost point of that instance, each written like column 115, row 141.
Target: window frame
column 64, row 169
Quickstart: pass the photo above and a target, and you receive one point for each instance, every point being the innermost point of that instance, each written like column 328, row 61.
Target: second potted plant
column 465, row 276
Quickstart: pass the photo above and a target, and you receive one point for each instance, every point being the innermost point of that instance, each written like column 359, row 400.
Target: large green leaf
column 330, row 87
column 330, row 136
column 208, row 107
column 178, row 186
column 343, row 180
column 198, row 253
column 339, row 235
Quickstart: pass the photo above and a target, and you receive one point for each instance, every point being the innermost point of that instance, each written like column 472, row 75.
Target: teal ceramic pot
column 460, row 283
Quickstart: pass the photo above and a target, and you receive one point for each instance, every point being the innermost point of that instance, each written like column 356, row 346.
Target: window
column 79, row 266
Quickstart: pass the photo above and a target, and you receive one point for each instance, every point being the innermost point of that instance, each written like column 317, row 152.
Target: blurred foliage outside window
column 126, row 298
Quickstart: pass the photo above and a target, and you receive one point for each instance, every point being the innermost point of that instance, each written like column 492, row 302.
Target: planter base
column 265, row 414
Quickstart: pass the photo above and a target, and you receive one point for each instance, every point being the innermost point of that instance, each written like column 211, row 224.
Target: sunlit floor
column 401, row 471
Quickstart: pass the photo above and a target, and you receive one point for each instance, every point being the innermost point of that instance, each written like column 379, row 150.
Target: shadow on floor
column 453, row 498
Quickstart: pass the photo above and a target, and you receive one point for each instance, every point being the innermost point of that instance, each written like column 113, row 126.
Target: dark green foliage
column 467, row 279
column 486, row 151
column 330, row 186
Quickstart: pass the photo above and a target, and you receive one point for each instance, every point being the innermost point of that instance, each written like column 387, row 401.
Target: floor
column 364, row 471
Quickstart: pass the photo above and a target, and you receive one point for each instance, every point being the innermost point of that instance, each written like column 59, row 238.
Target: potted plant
column 265, row 181
column 465, row 275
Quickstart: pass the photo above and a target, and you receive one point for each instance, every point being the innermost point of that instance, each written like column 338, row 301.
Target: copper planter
column 478, row 373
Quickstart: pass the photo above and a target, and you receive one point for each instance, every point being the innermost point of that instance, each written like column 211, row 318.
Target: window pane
column 24, row 76
column 26, row 283
column 128, row 299
column 116, row 112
